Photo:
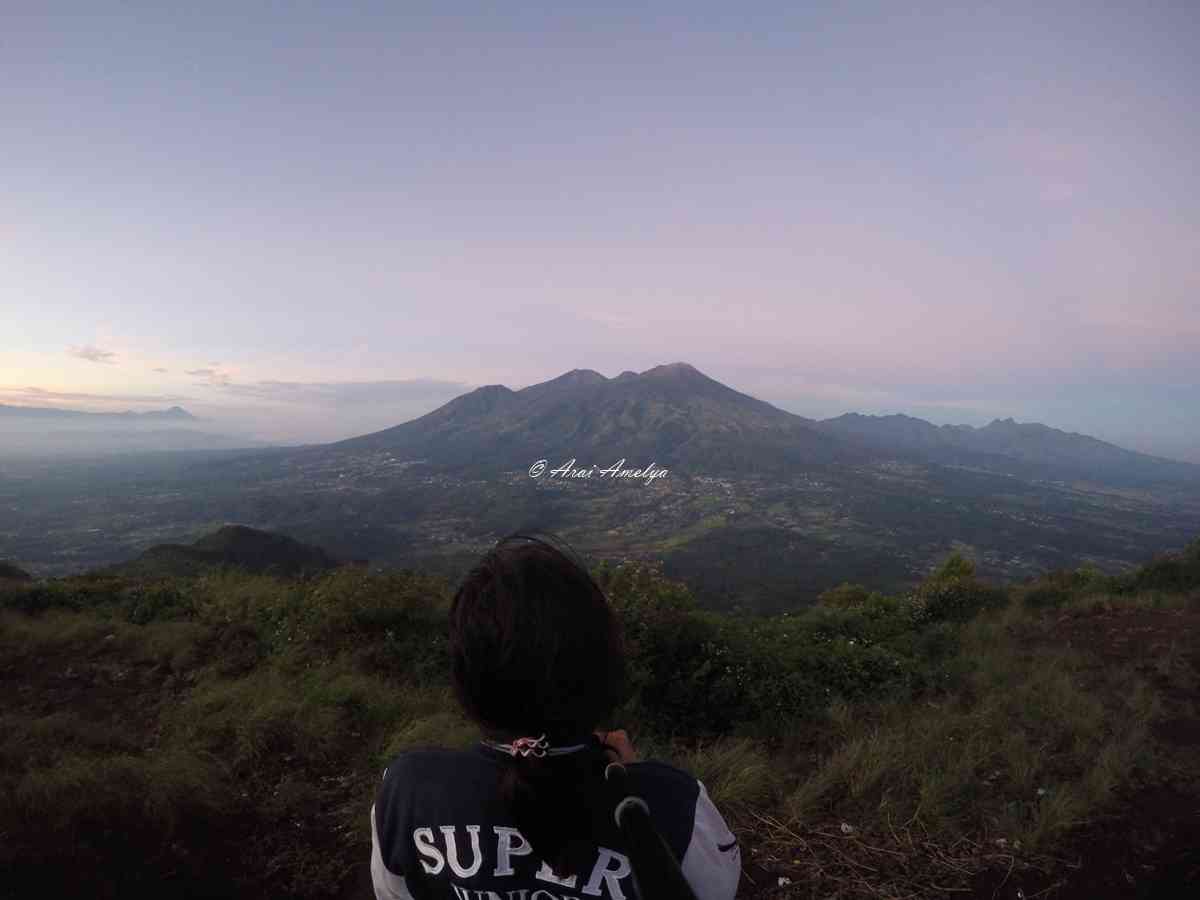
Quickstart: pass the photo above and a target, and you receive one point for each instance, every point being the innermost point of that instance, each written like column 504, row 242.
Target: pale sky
column 308, row 221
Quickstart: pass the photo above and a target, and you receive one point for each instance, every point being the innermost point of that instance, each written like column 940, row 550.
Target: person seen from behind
column 537, row 662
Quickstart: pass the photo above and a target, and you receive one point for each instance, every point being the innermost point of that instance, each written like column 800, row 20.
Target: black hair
column 536, row 649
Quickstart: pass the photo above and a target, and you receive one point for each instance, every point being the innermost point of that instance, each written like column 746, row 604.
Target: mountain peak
column 580, row 376
column 1011, row 425
column 566, row 382
column 675, row 369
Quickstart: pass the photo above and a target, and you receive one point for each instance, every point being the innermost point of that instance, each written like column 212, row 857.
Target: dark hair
column 536, row 649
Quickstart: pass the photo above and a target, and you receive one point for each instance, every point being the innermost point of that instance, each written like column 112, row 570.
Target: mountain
column 42, row 413
column 678, row 417
column 672, row 415
column 762, row 509
column 235, row 546
column 1004, row 444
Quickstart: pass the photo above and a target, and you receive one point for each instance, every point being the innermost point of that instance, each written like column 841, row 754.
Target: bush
column 844, row 596
column 955, row 566
column 1169, row 572
column 954, row 598
column 157, row 601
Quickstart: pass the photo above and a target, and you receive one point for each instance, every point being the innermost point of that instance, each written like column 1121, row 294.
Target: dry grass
column 914, row 800
column 738, row 773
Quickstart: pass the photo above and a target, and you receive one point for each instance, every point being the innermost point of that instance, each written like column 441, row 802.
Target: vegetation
column 10, row 572
column 245, row 548
column 223, row 734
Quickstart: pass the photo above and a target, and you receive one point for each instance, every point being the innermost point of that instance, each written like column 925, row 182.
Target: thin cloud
column 161, row 370
column 93, row 354
column 36, row 395
column 350, row 393
column 214, row 377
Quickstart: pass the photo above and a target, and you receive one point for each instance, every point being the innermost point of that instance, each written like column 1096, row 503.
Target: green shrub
column 37, row 597
column 157, row 601
column 955, row 566
column 1171, row 572
column 953, row 598
column 844, row 596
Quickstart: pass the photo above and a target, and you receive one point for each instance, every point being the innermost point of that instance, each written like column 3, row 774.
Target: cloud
column 93, row 354
column 350, row 393
column 36, row 395
column 160, row 369
column 215, row 377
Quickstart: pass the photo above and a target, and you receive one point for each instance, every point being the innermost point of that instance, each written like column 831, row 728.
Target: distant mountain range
column 1005, row 442
column 45, row 413
column 35, row 431
column 678, row 417
column 762, row 509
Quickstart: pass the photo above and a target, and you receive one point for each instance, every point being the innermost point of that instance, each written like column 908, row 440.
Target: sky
column 304, row 221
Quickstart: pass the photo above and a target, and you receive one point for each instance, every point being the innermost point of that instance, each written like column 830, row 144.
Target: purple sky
column 309, row 222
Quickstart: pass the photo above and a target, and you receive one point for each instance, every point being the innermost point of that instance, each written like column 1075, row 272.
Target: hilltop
column 237, row 546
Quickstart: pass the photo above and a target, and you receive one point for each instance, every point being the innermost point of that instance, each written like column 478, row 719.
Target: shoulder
column 434, row 783
column 664, row 779
column 431, row 762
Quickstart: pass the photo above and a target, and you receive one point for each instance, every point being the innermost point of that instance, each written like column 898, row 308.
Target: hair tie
column 533, row 746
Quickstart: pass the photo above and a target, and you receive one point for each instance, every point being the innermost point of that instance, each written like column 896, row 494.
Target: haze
column 306, row 223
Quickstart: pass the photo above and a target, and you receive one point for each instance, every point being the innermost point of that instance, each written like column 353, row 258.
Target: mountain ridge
column 674, row 414
column 671, row 414
column 8, row 410
column 1022, row 442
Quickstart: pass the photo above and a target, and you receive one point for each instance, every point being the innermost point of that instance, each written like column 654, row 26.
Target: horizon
column 270, row 217
column 342, row 435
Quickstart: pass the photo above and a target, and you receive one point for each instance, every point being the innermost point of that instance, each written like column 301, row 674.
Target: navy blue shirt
column 439, row 830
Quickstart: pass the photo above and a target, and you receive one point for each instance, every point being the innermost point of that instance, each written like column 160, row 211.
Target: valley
column 765, row 543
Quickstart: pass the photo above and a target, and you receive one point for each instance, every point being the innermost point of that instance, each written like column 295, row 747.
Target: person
column 537, row 661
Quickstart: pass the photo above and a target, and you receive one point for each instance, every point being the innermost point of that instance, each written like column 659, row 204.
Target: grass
column 697, row 529
column 1030, row 745
column 738, row 773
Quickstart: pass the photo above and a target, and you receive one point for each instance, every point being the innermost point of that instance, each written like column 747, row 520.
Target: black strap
column 656, row 872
